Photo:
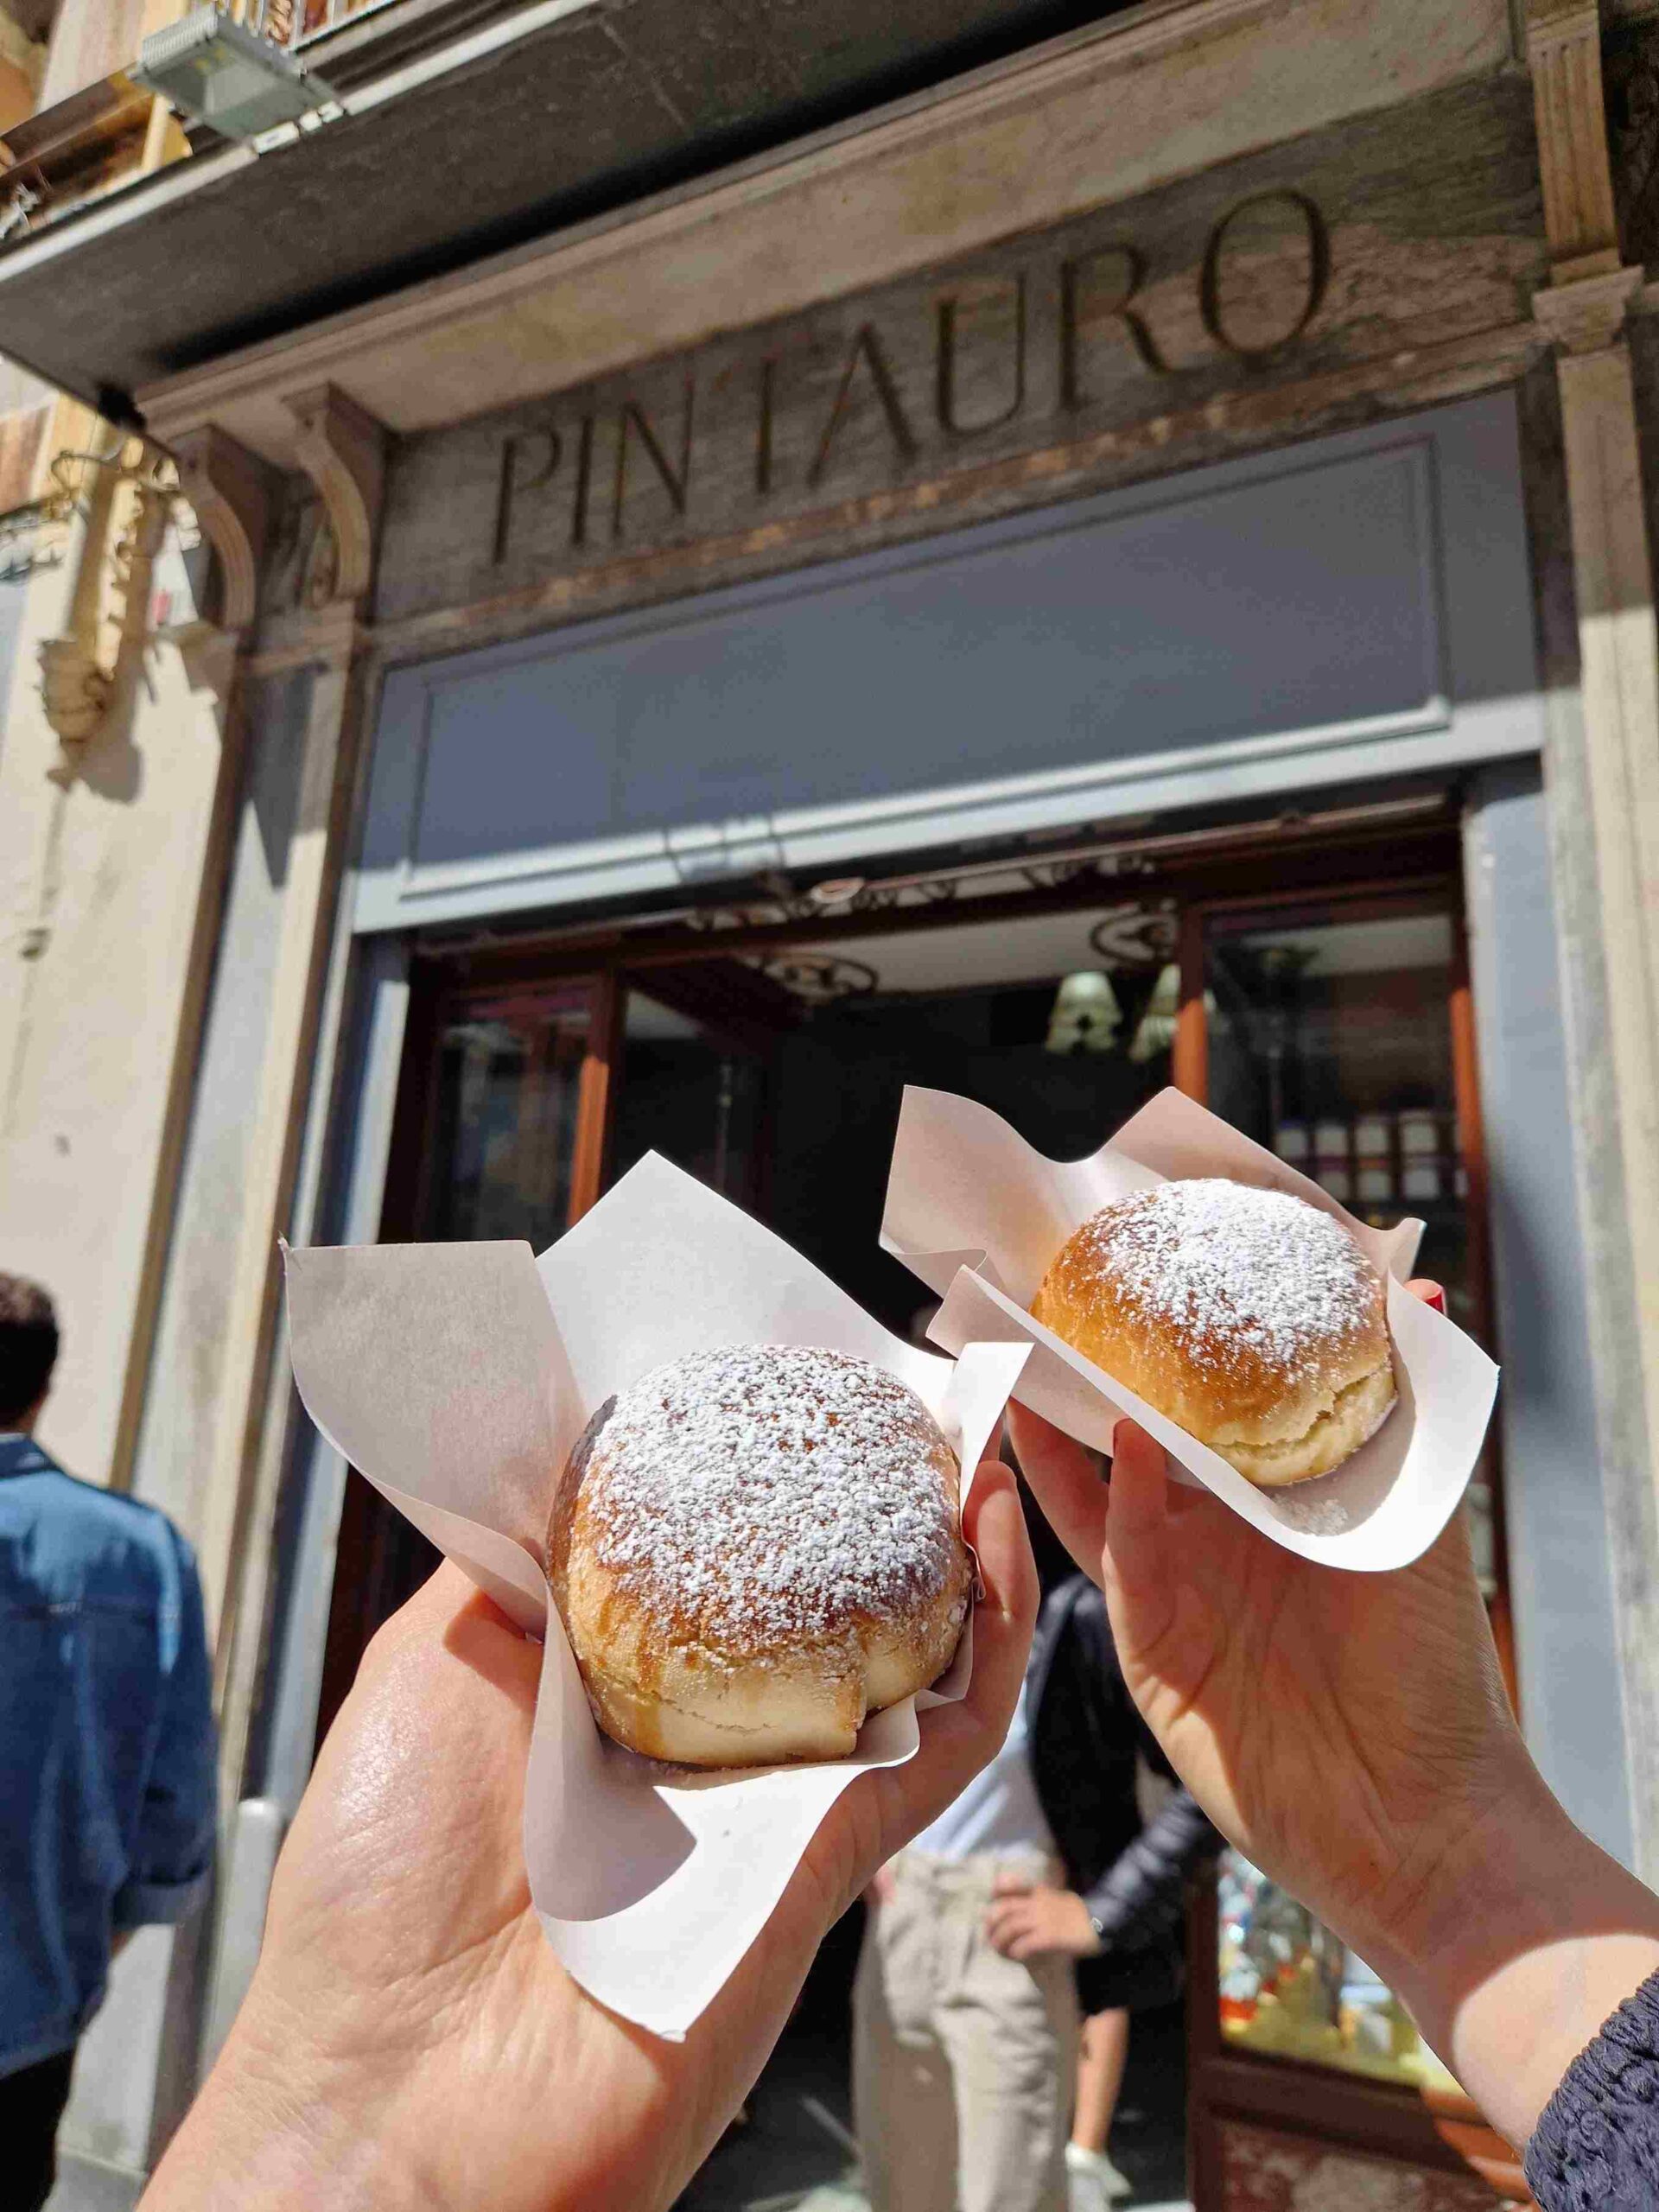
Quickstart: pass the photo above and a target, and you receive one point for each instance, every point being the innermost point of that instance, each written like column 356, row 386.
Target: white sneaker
column 1093, row 2182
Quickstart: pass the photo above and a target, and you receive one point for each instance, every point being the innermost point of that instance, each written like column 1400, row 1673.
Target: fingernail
column 1436, row 1299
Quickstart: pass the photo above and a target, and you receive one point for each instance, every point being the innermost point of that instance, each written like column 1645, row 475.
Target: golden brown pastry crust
column 752, row 1549
column 1249, row 1318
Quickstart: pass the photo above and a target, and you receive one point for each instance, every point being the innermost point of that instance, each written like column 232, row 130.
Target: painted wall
column 100, row 883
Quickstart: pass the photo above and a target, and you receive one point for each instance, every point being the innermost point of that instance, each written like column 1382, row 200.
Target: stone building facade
column 1361, row 289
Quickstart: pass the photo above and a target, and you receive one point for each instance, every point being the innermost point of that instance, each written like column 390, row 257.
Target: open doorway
column 799, row 1125
column 1311, row 985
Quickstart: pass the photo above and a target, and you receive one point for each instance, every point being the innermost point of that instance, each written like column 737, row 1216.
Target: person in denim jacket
column 106, row 1743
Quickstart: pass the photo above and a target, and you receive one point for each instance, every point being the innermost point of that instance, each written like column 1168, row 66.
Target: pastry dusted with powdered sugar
column 1249, row 1317
column 752, row 1549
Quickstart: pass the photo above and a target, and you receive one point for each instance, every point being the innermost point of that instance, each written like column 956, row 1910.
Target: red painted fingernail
column 1436, row 1299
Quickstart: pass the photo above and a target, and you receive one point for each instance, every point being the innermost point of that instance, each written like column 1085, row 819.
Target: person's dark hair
column 28, row 1346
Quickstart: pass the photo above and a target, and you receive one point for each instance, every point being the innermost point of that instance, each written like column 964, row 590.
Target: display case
column 1287, row 1988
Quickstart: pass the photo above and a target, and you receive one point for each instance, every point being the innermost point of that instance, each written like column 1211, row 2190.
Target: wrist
column 274, row 2124
column 1513, row 1939
column 1433, row 1900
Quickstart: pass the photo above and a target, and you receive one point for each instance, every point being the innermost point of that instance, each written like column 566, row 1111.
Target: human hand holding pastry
column 1350, row 1734
column 410, row 2037
column 1277, row 1686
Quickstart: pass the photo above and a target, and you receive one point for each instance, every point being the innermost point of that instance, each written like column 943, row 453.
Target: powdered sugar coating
column 1239, row 1277
column 771, row 1493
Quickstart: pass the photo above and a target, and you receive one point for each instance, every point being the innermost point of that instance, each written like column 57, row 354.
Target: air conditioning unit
column 218, row 72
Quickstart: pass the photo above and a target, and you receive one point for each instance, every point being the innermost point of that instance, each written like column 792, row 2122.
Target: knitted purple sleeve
column 1596, row 2146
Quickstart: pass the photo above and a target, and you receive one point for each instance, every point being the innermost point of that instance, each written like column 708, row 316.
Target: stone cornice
column 1163, row 91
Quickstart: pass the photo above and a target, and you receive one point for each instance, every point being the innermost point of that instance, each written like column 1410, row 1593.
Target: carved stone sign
column 1401, row 232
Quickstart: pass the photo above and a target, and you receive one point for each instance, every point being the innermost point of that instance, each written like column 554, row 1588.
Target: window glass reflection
column 509, row 1076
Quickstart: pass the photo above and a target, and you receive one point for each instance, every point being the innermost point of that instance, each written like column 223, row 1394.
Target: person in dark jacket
column 106, row 1745
column 1038, row 1897
column 1090, row 1748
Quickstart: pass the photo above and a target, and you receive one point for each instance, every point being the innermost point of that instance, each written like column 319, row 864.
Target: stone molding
column 80, row 691
column 1588, row 313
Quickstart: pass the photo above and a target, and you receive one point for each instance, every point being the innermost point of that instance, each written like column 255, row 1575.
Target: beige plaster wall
column 98, row 885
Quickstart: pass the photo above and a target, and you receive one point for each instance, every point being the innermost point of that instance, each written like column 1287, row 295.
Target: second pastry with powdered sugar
column 1248, row 1316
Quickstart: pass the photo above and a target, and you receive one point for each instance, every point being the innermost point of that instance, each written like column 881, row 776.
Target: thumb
column 1135, row 1561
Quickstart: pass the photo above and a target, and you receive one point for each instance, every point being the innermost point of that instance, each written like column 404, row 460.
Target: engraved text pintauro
column 984, row 343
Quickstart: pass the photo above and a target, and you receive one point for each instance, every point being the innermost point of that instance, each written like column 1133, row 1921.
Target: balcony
column 295, row 23
column 351, row 42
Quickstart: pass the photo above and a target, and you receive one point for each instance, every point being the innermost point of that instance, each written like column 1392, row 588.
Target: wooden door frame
column 367, row 1525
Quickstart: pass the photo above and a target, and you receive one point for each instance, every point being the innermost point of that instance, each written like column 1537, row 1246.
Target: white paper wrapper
column 979, row 1216
column 456, row 1377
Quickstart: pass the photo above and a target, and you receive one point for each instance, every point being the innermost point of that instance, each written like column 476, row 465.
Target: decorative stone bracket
column 231, row 492
column 342, row 448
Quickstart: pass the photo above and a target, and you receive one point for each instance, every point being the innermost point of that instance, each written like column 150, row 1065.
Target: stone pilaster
column 1583, row 309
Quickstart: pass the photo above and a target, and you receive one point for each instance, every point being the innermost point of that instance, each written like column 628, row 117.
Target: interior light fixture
column 1086, row 1016
column 1156, row 1030
column 217, row 71
column 836, row 891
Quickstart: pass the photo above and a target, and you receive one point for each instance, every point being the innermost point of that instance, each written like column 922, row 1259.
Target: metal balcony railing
column 297, row 23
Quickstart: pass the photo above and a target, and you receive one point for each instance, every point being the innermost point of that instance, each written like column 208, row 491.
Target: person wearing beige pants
column 1045, row 1889
column 964, row 2060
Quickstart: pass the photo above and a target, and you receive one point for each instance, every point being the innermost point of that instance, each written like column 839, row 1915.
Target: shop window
column 693, row 1092
column 1291, row 1989
column 1331, row 1044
